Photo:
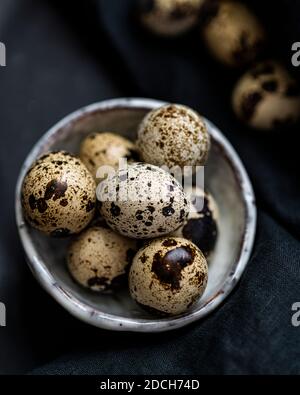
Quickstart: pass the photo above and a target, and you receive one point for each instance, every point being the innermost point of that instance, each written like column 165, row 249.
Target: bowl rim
column 104, row 320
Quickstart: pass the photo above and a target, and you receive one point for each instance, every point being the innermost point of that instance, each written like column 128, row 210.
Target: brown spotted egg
column 201, row 226
column 168, row 275
column 98, row 259
column 231, row 32
column 58, row 194
column 142, row 201
column 173, row 135
column 106, row 149
column 169, row 17
column 267, row 97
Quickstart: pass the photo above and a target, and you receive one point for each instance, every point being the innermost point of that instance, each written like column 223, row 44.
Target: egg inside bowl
column 225, row 178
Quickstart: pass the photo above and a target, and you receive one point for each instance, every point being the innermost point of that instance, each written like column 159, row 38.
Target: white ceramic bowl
column 225, row 178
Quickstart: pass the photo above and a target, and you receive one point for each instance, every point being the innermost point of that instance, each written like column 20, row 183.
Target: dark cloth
column 61, row 56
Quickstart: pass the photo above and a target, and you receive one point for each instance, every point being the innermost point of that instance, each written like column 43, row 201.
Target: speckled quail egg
column 169, row 17
column 58, row 194
column 173, row 135
column 99, row 258
column 201, row 226
column 267, row 97
column 168, row 275
column 231, row 32
column 142, row 202
column 106, row 149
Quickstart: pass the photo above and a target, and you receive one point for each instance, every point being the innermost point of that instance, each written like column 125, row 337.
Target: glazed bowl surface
column 225, row 178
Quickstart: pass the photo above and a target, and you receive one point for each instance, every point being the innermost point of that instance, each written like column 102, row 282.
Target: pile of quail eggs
column 152, row 240
column 266, row 96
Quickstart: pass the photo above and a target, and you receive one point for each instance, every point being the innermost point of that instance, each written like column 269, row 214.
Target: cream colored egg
column 232, row 33
column 168, row 275
column 58, row 194
column 142, row 202
column 173, row 135
column 106, row 149
column 169, row 17
column 98, row 259
column 267, row 97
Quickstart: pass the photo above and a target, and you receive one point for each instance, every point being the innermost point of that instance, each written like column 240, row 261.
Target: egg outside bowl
column 225, row 178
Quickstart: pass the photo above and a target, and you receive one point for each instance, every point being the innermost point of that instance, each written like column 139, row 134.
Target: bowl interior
column 221, row 179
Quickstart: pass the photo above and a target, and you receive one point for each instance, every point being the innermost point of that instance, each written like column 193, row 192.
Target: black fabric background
column 61, row 56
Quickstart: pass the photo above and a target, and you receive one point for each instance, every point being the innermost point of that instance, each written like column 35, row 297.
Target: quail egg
column 98, row 258
column 169, row 17
column 58, row 194
column 201, row 226
column 106, row 149
column 173, row 135
column 168, row 275
column 142, row 202
column 231, row 32
column 267, row 97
